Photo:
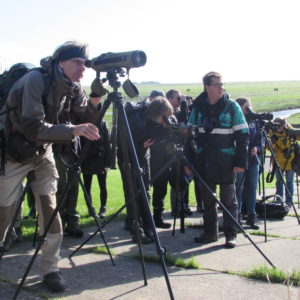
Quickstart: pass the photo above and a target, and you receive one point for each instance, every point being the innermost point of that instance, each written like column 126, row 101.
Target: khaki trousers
column 43, row 177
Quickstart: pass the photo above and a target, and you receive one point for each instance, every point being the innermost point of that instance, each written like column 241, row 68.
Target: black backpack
column 275, row 209
column 9, row 77
column 7, row 80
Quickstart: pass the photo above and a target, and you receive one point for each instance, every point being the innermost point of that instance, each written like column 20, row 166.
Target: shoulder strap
column 48, row 80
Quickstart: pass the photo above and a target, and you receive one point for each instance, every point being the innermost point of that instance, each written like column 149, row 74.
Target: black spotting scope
column 128, row 60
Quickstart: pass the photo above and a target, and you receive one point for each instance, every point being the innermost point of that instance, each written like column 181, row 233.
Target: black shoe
column 54, row 282
column 102, row 212
column 230, row 241
column 251, row 221
column 74, row 230
column 159, row 223
column 144, row 239
column 206, row 238
column 149, row 234
column 188, row 211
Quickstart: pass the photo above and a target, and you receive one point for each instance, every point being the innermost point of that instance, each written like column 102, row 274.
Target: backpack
column 7, row 80
column 135, row 115
column 275, row 209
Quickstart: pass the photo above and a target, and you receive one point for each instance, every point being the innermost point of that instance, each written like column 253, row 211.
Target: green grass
column 272, row 275
column 294, row 120
column 171, row 260
column 114, row 202
column 102, row 250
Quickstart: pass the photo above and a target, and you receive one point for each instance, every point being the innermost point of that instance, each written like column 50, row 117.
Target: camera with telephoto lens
column 254, row 116
column 182, row 130
column 271, row 126
column 128, row 60
column 292, row 132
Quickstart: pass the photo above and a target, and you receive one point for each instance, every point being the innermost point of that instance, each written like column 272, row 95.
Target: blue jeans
column 246, row 184
column 289, row 178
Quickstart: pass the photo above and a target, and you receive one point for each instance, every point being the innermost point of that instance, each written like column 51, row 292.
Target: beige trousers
column 43, row 176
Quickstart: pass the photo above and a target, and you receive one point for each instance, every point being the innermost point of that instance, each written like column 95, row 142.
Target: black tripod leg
column 92, row 210
column 132, row 188
column 225, row 209
column 16, row 213
column 297, row 184
column 144, row 196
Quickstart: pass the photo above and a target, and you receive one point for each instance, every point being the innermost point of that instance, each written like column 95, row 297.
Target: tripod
column 133, row 174
column 181, row 160
column 175, row 159
column 273, row 156
column 186, row 162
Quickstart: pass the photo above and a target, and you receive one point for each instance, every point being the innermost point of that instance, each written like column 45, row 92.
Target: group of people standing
column 64, row 117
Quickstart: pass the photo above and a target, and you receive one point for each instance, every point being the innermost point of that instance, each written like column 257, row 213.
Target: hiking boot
column 158, row 220
column 54, row 282
column 102, row 212
column 74, row 230
column 159, row 223
column 230, row 241
column 206, row 238
column 149, row 234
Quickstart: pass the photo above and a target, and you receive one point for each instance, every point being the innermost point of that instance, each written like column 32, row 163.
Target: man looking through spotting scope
column 161, row 154
column 33, row 126
column 147, row 128
column 222, row 151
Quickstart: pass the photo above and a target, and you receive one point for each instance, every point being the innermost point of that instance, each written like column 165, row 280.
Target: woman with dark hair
column 246, row 182
column 97, row 162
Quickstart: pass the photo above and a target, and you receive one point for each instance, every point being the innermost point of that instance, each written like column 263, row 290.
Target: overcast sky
column 244, row 40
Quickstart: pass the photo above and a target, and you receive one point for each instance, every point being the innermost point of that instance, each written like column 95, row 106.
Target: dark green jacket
column 223, row 140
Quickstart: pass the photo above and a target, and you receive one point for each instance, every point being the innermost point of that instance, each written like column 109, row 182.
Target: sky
column 255, row 40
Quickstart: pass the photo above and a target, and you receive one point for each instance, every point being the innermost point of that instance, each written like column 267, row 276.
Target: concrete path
column 92, row 276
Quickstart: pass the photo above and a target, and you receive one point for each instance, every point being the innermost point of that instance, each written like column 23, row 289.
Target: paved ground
column 92, row 276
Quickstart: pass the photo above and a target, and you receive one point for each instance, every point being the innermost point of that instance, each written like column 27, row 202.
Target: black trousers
column 87, row 180
column 210, row 215
column 139, row 201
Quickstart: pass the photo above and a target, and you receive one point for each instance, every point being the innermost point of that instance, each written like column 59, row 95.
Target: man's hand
column 253, row 151
column 97, row 89
column 238, row 170
column 188, row 171
column 149, row 143
column 88, row 130
column 95, row 101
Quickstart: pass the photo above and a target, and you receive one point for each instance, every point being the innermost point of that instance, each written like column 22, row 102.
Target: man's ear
column 61, row 64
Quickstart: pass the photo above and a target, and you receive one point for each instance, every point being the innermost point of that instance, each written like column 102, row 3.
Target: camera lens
column 138, row 58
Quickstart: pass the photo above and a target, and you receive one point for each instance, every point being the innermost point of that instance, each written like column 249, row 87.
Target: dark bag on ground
column 275, row 209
